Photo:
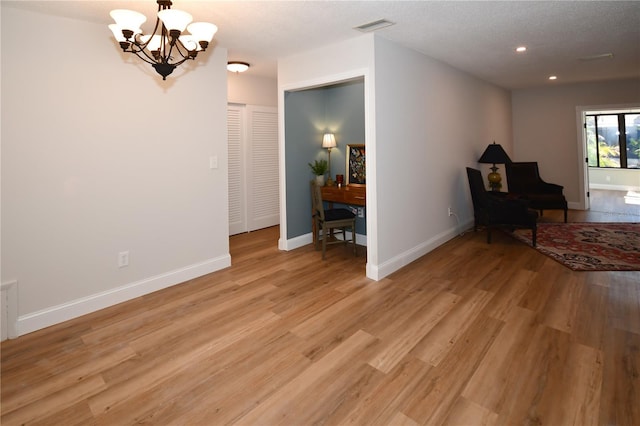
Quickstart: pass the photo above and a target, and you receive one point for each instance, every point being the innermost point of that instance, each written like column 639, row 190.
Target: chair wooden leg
column 353, row 239
column 565, row 215
column 534, row 234
column 324, row 240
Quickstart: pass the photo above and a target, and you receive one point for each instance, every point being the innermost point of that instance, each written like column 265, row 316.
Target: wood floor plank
column 162, row 371
column 276, row 409
column 380, row 405
column 54, row 402
column 471, row 333
column 439, row 389
column 411, row 331
column 435, row 346
column 620, row 398
column 591, row 315
column 624, row 302
column 466, row 412
column 574, row 398
column 226, row 386
column 558, row 312
column 540, row 370
column 487, row 386
column 53, row 382
column 508, row 296
column 399, row 419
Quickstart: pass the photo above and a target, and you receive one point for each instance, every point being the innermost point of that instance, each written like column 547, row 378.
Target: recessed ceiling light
column 521, row 49
column 237, row 66
column 553, row 77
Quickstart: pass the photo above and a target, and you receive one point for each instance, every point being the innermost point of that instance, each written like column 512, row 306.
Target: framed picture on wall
column 356, row 165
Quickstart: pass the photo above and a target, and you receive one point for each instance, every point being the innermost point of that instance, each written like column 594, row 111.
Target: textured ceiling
column 478, row 37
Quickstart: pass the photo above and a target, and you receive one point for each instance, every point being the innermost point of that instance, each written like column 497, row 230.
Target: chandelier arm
column 181, row 61
column 145, row 57
column 141, row 49
column 180, row 51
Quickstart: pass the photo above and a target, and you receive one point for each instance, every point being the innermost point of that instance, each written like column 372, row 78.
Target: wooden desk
column 355, row 195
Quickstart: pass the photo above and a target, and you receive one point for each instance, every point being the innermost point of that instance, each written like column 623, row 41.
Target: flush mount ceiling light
column 374, row 26
column 553, row 77
column 167, row 47
column 237, row 66
column 521, row 49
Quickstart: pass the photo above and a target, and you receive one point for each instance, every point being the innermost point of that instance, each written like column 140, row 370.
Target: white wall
column 432, row 121
column 100, row 156
column 615, row 179
column 425, row 122
column 333, row 63
column 247, row 89
column 545, row 127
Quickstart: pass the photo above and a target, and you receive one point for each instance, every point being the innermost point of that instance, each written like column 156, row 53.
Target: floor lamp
column 329, row 141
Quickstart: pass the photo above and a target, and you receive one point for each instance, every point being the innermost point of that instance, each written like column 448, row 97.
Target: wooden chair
column 326, row 220
column 496, row 210
column 524, row 181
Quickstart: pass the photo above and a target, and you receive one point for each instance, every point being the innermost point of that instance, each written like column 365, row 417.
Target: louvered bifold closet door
column 237, row 184
column 263, row 201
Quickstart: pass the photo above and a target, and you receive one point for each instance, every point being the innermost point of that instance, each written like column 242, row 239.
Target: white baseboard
column 57, row 314
column 614, row 187
column 303, row 240
column 573, row 205
column 390, row 266
column 294, row 243
column 9, row 309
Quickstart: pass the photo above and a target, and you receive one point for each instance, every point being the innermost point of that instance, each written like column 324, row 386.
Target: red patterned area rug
column 589, row 246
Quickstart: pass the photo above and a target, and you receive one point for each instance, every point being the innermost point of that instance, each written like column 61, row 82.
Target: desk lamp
column 329, row 141
column 494, row 154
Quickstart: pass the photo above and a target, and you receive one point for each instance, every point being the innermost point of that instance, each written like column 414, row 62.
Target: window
column 613, row 140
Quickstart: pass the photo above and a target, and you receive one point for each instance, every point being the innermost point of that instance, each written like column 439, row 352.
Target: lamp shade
column 128, row 19
column 494, row 154
column 202, row 31
column 154, row 42
column 329, row 140
column 175, row 19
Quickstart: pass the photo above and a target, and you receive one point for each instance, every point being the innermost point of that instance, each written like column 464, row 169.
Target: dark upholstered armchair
column 497, row 211
column 524, row 181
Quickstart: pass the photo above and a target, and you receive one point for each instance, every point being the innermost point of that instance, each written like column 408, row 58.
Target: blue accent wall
column 309, row 114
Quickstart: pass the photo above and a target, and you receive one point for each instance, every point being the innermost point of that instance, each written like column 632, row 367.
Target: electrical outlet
column 450, row 212
column 360, row 211
column 123, row 259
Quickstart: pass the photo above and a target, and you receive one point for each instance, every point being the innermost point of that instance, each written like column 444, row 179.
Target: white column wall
column 432, row 121
column 425, row 122
column 100, row 156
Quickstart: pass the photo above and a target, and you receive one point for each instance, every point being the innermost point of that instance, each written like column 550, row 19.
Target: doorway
column 254, row 201
column 609, row 149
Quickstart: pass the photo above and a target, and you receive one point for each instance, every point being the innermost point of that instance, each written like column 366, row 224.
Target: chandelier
column 167, row 47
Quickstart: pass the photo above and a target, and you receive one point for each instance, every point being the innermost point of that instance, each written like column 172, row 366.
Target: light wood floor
column 469, row 334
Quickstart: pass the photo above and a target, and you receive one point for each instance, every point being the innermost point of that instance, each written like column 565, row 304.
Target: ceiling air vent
column 374, row 26
column 597, row 57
